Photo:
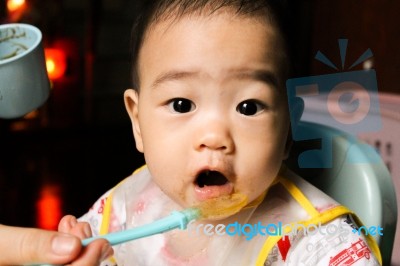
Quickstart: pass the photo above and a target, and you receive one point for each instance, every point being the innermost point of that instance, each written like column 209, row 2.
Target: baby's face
column 209, row 116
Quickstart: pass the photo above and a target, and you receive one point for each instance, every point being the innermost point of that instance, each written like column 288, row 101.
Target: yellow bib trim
column 105, row 222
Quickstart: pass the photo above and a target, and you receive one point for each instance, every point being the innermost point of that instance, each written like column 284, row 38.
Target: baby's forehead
column 165, row 22
column 161, row 25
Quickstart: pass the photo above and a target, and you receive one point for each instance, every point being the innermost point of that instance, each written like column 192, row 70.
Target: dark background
column 80, row 143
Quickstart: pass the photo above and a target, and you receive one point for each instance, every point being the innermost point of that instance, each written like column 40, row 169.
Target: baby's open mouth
column 210, row 178
column 212, row 184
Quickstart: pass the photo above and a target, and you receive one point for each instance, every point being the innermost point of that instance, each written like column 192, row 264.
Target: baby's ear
column 131, row 99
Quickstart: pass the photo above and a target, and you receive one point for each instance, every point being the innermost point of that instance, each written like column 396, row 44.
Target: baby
column 209, row 112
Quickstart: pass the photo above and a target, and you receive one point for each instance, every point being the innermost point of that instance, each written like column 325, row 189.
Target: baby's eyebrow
column 265, row 76
column 171, row 76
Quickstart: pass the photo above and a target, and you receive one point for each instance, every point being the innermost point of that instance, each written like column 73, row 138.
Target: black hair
column 152, row 11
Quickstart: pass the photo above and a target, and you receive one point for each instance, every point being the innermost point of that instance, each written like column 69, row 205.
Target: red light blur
column 56, row 62
column 49, row 207
column 15, row 5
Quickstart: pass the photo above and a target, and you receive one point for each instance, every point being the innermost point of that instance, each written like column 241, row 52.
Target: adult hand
column 22, row 246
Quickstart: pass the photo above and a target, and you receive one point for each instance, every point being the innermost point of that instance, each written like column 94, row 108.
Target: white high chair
column 358, row 179
column 387, row 142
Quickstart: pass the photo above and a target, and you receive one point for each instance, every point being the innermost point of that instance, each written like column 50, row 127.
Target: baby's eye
column 250, row 107
column 181, row 105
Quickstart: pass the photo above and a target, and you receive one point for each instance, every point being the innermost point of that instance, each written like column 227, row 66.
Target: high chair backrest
column 357, row 177
column 385, row 139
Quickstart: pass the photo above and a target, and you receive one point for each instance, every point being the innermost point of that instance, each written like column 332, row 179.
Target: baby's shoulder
column 293, row 199
column 319, row 199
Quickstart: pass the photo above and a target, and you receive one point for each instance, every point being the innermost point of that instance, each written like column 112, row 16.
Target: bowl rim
column 34, row 30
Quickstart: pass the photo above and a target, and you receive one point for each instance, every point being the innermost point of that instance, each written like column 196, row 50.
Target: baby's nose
column 214, row 135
